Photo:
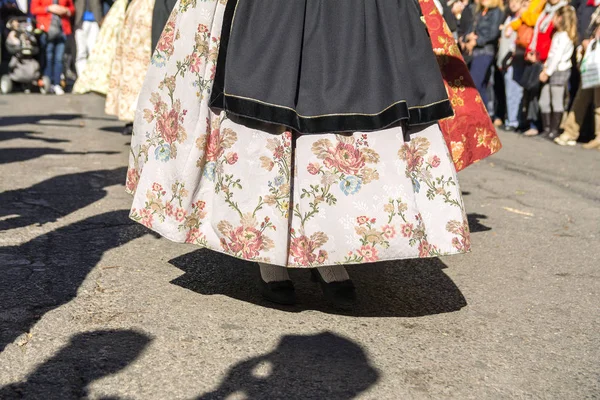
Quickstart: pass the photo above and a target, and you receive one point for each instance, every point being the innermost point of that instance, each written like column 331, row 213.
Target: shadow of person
column 112, row 129
column 56, row 197
column 409, row 288
column 474, row 223
column 86, row 358
column 36, row 119
column 323, row 366
column 45, row 273
column 18, row 154
column 29, row 135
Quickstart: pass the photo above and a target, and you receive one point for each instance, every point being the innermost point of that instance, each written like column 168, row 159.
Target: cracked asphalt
column 93, row 306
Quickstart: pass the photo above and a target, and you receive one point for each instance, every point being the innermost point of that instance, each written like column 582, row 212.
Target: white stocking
column 334, row 273
column 273, row 273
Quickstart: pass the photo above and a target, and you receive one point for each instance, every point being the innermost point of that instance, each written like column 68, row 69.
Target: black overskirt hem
column 400, row 112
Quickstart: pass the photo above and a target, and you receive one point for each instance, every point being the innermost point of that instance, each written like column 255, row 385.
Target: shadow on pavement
column 46, row 272
column 88, row 357
column 36, row 119
column 322, row 366
column 112, row 129
column 410, row 288
column 56, row 197
column 18, row 154
column 475, row 224
column 29, row 135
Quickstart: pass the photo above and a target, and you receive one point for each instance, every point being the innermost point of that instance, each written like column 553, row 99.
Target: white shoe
column 564, row 141
column 58, row 90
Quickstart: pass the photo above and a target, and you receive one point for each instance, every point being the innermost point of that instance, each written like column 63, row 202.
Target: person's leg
column 557, row 99
column 335, row 273
column 499, row 96
column 514, row 97
column 273, row 273
column 82, row 50
column 49, row 62
column 545, row 108
column 575, row 117
column 480, row 67
column 595, row 143
column 92, row 35
column 59, row 52
column 276, row 285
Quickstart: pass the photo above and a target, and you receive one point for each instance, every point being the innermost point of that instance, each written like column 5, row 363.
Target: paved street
column 94, row 306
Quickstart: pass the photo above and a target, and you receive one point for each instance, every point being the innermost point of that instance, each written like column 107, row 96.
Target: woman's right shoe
column 341, row 294
column 531, row 132
column 279, row 292
column 564, row 141
column 58, row 90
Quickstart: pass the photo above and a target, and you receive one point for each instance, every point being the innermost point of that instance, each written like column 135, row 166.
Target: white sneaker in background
column 58, row 90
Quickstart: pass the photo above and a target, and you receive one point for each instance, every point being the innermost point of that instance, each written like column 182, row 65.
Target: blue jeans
column 514, row 97
column 55, row 51
column 480, row 71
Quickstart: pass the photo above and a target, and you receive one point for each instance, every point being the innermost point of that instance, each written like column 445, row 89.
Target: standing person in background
column 557, row 70
column 506, row 56
column 583, row 99
column 585, row 9
column 96, row 76
column 54, row 18
column 88, row 16
column 446, row 11
column 466, row 21
column 482, row 42
column 537, row 52
column 131, row 60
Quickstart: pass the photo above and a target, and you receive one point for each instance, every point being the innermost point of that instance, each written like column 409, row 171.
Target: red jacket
column 43, row 17
column 544, row 39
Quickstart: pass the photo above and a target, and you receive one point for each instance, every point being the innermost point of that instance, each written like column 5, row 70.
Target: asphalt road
column 94, row 306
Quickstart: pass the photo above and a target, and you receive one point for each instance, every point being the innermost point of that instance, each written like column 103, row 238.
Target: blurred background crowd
column 534, row 62
column 528, row 58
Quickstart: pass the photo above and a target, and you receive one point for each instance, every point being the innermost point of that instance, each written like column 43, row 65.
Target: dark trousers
column 55, row 51
column 480, row 71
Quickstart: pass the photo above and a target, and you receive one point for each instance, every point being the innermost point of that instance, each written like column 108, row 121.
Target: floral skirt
column 131, row 61
column 95, row 77
column 261, row 192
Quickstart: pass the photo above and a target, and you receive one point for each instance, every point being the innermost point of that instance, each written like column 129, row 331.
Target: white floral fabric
column 262, row 193
column 96, row 75
column 131, row 60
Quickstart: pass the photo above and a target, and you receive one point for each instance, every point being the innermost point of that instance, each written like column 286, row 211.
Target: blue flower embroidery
column 416, row 185
column 163, row 153
column 350, row 185
column 159, row 60
column 209, row 171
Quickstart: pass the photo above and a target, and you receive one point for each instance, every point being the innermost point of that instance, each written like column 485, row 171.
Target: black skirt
column 321, row 66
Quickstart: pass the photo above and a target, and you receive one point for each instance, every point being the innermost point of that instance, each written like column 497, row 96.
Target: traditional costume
column 297, row 134
column 96, row 75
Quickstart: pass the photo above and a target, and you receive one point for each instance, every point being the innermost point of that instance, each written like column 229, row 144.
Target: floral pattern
column 262, row 193
column 131, row 59
column 95, row 77
column 470, row 134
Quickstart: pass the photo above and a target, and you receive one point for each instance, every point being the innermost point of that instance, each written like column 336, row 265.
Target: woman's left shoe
column 280, row 292
column 555, row 120
column 128, row 130
column 594, row 144
column 341, row 294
